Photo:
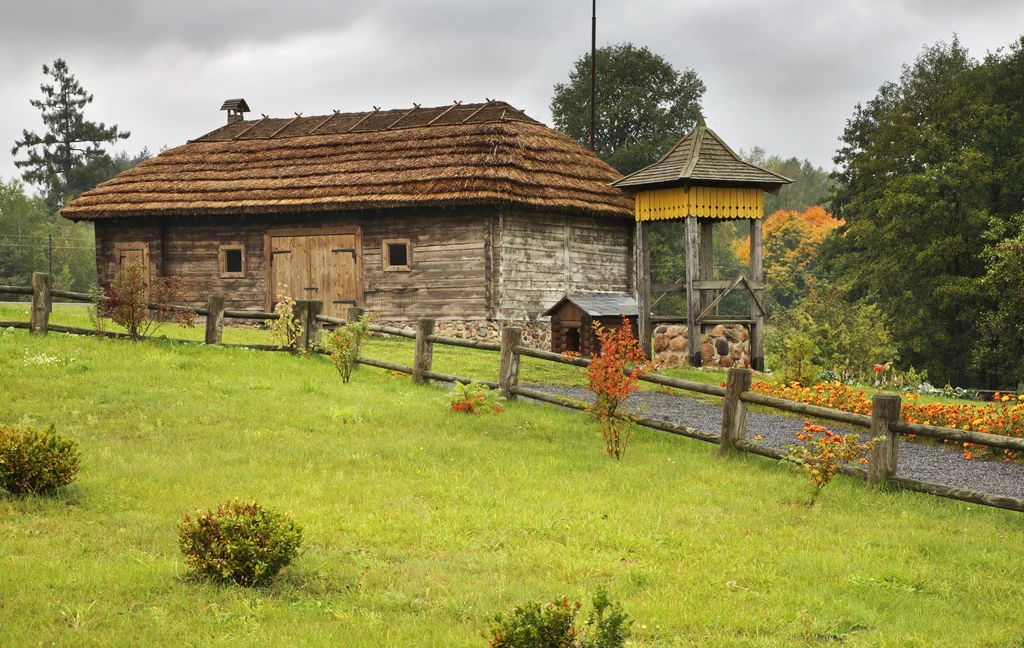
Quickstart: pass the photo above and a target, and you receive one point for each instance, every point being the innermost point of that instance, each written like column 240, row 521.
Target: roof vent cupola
column 236, row 109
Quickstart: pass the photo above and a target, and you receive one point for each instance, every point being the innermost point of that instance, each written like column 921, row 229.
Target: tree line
column 911, row 253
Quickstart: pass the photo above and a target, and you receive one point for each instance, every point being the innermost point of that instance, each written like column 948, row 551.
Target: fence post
column 39, row 320
column 423, row 357
column 301, row 314
column 215, row 319
column 885, row 408
column 734, row 411
column 508, row 374
column 354, row 314
column 313, row 333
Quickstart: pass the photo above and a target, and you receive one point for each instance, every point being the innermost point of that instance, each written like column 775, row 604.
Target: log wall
column 544, row 256
column 467, row 264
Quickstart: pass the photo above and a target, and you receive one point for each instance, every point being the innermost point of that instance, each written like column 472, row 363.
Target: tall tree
column 644, row 105
column 69, row 157
column 929, row 178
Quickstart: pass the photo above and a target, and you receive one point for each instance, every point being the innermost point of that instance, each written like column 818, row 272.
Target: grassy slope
column 420, row 523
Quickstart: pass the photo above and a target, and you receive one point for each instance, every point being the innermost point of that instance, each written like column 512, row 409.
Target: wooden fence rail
column 883, row 424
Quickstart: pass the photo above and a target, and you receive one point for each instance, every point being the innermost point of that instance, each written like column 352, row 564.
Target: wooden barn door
column 322, row 266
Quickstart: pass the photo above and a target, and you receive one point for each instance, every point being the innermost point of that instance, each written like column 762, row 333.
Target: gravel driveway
column 918, row 461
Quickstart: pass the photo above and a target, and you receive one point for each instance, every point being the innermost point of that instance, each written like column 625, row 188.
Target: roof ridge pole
column 254, row 125
column 474, row 113
column 329, row 118
column 443, row 113
column 593, row 72
column 292, row 121
column 376, row 109
column 414, row 108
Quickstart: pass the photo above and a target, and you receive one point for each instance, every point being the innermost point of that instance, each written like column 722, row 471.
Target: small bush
column 345, row 342
column 240, row 542
column 474, row 398
column 287, row 328
column 556, row 625
column 36, row 461
column 820, row 453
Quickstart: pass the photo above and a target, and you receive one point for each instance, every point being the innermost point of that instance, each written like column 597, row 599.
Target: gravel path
column 918, row 461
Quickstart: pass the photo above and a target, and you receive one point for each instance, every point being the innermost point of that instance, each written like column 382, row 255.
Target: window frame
column 223, row 260
column 385, row 254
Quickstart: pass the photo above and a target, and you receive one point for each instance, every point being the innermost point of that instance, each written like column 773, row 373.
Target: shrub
column 126, row 302
column 829, row 330
column 240, row 542
column 820, row 453
column 36, row 461
column 474, row 398
column 611, row 377
column 344, row 343
column 556, row 625
column 287, row 328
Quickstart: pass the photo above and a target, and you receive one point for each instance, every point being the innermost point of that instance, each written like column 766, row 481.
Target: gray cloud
column 782, row 75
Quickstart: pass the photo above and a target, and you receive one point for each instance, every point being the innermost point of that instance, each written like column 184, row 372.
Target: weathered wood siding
column 544, row 256
column 451, row 252
column 448, row 279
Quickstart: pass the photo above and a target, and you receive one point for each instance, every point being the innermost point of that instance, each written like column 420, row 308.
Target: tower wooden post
column 692, row 301
column 756, row 314
column 707, row 271
column 643, row 286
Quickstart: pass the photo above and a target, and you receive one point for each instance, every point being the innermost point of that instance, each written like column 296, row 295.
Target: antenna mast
column 593, row 71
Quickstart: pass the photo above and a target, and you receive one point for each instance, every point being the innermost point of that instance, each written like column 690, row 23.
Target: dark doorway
column 572, row 339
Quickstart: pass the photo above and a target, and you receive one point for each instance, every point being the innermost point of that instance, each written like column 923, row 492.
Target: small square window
column 232, row 261
column 397, row 254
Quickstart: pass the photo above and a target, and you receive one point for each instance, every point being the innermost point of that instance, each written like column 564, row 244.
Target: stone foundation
column 721, row 346
column 536, row 334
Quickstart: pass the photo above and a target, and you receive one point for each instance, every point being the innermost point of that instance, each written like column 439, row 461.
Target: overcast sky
column 781, row 75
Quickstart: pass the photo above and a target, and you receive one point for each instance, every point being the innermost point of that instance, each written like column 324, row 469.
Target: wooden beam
column 706, row 254
column 756, row 312
column 707, row 309
column 734, row 411
column 692, row 298
column 508, row 371
column 643, row 285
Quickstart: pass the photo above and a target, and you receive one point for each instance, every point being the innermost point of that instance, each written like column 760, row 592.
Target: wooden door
column 126, row 254
column 325, row 267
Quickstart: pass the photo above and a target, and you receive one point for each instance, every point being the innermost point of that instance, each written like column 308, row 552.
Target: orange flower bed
column 1004, row 415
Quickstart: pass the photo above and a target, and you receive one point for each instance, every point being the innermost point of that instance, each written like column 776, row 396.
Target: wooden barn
column 574, row 316
column 474, row 214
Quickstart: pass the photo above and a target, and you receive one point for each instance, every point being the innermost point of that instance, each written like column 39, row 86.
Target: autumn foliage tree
column 791, row 240
column 611, row 377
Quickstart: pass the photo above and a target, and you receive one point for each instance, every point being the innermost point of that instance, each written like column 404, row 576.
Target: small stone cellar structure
column 574, row 317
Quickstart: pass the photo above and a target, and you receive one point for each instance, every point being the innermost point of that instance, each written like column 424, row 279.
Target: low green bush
column 240, row 542
column 36, row 461
column 556, row 625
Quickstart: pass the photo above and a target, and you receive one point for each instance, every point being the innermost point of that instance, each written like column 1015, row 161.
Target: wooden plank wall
column 449, row 264
column 543, row 256
column 451, row 257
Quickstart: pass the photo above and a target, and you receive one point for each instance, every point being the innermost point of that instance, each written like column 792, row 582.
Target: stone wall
column 721, row 346
column 536, row 333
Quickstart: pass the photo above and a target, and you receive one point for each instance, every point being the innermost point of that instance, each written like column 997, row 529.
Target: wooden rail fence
column 884, row 422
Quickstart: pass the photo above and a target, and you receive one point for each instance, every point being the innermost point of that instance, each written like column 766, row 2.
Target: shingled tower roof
column 702, row 158
column 458, row 155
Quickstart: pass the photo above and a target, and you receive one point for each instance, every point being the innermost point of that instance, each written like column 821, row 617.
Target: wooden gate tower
column 702, row 181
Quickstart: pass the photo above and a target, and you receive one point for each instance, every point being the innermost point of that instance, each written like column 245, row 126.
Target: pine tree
column 65, row 161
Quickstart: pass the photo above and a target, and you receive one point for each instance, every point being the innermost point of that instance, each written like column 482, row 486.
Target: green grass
column 421, row 523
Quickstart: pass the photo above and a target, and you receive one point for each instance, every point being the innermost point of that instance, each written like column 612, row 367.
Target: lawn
column 420, row 523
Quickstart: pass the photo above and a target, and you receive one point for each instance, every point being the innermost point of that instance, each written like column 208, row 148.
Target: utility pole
column 593, row 72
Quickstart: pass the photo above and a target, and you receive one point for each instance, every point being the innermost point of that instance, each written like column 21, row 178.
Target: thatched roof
column 702, row 158
column 455, row 155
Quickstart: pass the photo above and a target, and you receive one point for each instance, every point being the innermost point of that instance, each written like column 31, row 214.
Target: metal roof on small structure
column 600, row 304
column 702, row 158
